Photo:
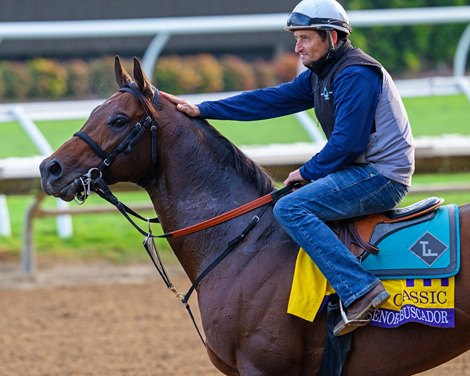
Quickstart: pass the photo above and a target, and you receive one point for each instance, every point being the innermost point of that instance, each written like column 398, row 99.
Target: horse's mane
column 243, row 165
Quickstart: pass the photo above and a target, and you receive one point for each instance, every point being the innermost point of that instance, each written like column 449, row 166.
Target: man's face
column 310, row 46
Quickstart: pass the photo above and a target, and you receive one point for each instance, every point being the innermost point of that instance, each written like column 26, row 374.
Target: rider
column 364, row 168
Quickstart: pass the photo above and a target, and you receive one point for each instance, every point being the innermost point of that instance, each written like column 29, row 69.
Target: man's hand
column 183, row 105
column 295, row 177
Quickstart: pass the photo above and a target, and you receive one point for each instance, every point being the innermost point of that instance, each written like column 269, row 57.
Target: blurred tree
column 408, row 49
column 49, row 78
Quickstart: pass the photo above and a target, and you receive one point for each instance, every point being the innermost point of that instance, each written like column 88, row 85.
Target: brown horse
column 199, row 174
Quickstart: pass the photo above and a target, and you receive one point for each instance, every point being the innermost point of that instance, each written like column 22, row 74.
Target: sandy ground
column 97, row 319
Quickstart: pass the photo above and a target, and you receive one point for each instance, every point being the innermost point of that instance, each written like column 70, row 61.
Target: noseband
column 146, row 122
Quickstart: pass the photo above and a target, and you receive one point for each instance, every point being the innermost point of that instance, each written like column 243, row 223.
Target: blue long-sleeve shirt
column 356, row 93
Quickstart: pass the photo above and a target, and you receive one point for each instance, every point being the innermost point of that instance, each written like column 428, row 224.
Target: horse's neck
column 194, row 184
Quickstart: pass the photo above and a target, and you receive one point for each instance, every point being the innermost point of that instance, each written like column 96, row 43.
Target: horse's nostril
column 54, row 169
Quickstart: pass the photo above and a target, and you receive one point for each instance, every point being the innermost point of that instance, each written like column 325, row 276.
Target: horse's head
column 118, row 141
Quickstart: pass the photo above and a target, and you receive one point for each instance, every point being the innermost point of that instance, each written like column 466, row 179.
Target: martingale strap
column 230, row 247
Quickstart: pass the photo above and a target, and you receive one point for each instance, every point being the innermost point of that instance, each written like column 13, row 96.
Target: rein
column 93, row 181
column 102, row 189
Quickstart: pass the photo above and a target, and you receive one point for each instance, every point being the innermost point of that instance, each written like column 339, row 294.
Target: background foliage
column 406, row 51
column 403, row 50
column 44, row 79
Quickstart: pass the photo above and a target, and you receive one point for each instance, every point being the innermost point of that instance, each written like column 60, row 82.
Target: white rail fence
column 24, row 172
column 26, row 169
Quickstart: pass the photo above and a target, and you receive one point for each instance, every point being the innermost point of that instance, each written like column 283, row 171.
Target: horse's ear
column 122, row 77
column 140, row 77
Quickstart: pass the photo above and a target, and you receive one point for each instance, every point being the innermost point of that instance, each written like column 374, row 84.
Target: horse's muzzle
column 52, row 174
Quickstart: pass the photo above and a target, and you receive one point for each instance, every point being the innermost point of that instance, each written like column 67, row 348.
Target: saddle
column 356, row 233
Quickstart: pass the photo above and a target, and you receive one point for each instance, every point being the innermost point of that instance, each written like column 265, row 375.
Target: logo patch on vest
column 326, row 94
column 428, row 248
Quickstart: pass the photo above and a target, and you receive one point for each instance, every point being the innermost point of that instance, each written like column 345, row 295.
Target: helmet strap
column 331, row 47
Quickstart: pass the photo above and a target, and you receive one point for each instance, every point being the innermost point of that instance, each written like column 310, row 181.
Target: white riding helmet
column 318, row 14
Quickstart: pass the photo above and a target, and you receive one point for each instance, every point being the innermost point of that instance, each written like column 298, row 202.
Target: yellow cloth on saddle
column 309, row 288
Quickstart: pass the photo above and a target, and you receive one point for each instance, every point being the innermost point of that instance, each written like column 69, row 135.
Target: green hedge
column 403, row 50
column 50, row 79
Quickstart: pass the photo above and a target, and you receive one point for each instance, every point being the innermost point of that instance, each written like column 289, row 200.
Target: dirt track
column 101, row 320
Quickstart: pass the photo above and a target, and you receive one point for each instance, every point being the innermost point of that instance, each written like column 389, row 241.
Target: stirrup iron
column 352, row 322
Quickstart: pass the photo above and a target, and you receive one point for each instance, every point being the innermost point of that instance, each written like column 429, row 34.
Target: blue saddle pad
column 425, row 247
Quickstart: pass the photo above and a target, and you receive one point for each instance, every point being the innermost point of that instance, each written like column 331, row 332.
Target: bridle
column 93, row 181
column 148, row 121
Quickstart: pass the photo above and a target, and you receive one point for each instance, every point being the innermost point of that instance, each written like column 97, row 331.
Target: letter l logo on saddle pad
column 428, row 248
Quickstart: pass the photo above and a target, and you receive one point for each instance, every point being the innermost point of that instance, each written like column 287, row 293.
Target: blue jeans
column 354, row 191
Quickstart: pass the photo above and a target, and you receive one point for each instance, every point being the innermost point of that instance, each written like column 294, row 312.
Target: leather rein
column 93, row 181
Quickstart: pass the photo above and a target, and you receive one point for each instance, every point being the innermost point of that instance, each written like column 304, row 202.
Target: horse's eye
column 119, row 121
